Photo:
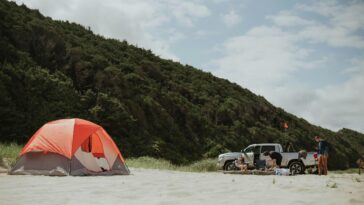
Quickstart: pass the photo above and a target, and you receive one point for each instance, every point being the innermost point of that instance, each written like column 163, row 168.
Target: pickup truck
column 292, row 160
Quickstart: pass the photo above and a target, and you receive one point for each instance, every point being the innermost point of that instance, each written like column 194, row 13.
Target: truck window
column 268, row 148
column 257, row 149
column 248, row 149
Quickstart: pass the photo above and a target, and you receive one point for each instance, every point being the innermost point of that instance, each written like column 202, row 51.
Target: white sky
column 304, row 56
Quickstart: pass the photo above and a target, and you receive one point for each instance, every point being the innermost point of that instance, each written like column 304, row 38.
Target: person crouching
column 276, row 157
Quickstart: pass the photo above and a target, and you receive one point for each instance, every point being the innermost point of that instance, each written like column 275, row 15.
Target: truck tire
column 229, row 166
column 296, row 167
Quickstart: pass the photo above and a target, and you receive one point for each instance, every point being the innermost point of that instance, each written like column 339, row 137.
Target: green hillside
column 150, row 106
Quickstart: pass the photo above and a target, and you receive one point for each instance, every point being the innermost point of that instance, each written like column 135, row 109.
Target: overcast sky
column 304, row 56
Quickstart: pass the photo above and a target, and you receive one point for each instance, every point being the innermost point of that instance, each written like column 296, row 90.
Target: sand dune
column 171, row 187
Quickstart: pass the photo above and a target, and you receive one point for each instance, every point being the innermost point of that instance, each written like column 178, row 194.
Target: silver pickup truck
column 253, row 153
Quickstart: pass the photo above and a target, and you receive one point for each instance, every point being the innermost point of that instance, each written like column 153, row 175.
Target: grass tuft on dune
column 9, row 154
column 345, row 171
column 205, row 165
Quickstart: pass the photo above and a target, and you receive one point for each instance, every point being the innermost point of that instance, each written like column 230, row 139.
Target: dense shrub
column 150, row 106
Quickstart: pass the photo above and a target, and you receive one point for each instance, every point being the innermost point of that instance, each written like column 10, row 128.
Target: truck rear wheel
column 297, row 168
column 230, row 166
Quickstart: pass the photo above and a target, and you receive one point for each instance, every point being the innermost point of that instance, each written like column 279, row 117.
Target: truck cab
column 254, row 153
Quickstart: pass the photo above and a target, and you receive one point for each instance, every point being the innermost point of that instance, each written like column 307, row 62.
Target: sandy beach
column 147, row 186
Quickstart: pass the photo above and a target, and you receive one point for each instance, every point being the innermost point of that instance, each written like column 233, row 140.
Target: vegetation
column 150, row 106
column 346, row 171
column 331, row 184
column 357, row 179
column 206, row 165
column 9, row 154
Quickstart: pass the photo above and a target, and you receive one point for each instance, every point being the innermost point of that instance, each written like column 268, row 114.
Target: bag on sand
column 282, row 172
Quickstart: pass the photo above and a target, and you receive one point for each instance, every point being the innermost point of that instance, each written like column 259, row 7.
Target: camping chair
column 260, row 164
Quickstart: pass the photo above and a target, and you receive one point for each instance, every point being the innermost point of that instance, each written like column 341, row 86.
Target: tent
column 70, row 147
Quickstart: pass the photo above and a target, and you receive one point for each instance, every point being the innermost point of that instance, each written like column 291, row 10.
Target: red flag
column 285, row 125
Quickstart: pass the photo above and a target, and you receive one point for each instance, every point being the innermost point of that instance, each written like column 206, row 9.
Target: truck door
column 267, row 158
column 257, row 153
column 249, row 155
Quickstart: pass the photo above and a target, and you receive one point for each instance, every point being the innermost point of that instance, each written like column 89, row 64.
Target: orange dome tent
column 70, row 147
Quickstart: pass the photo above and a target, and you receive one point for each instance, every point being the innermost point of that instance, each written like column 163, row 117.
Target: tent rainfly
column 70, row 147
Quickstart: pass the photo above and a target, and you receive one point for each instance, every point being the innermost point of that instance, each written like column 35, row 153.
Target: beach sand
column 147, row 186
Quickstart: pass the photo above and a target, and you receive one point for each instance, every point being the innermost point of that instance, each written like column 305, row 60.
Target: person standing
column 323, row 151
